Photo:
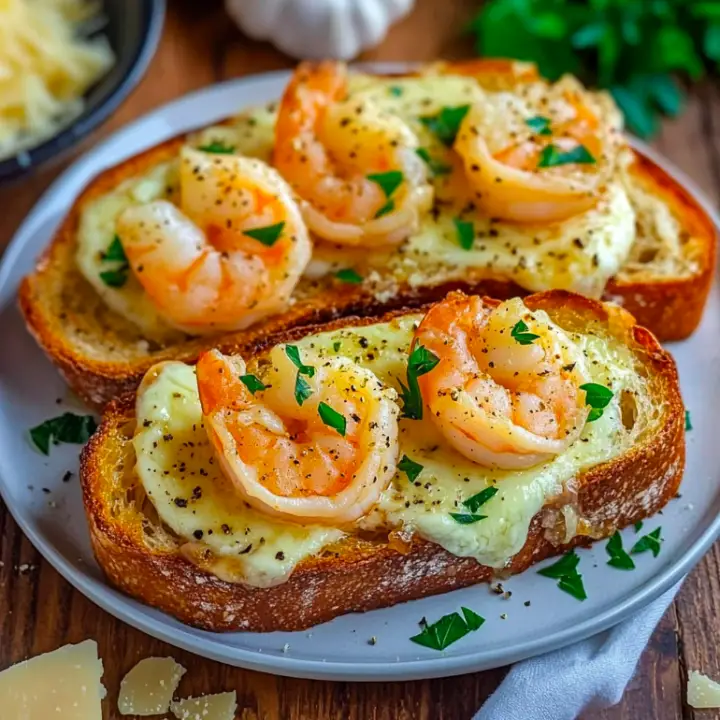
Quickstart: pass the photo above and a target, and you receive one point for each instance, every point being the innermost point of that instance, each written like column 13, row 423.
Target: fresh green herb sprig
column 388, row 182
column 566, row 573
column 618, row 557
column 217, row 147
column 688, row 421
column 116, row 276
column 521, row 334
column 420, row 362
column 598, row 397
column 302, row 388
column 411, row 468
column 634, row 48
column 650, row 542
column 448, row 629
column 267, row 235
column 446, row 123
column 66, row 428
column 473, row 504
column 253, row 383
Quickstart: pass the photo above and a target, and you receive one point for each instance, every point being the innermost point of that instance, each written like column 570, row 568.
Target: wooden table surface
column 39, row 611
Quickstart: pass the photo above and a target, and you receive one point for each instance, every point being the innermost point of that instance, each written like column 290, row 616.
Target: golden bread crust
column 360, row 575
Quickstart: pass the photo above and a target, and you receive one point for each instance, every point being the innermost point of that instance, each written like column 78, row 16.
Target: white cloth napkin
column 592, row 673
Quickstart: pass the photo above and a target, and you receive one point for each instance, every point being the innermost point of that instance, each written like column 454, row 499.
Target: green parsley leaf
column 539, row 125
column 420, row 362
column 388, row 181
column 218, row 147
column 336, row 345
column 472, row 619
column 302, row 389
column 479, row 499
column 520, row 334
column 436, row 166
column 618, row 557
column 566, row 565
column 253, row 383
column 638, row 526
column 388, row 207
column 66, row 428
column 552, row 156
column 115, row 278
column 115, row 254
column 395, row 90
column 649, row 542
column 465, row 232
column 466, row 518
column 688, row 421
column 445, row 124
column 598, row 397
column 350, row 276
column 410, row 468
column 332, row 418
column 448, row 629
column 115, row 251
column 573, row 585
column 293, row 353
column 267, row 235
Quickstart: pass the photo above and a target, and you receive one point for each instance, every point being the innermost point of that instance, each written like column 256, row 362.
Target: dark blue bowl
column 133, row 29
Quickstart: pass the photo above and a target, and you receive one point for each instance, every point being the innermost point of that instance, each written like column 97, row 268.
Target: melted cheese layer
column 175, row 461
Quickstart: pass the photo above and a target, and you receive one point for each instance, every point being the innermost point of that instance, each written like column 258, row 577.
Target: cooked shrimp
column 329, row 146
column 281, row 455
column 198, row 263
column 496, row 400
column 539, row 154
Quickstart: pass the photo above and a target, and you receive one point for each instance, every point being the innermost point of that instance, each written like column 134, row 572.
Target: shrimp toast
column 290, row 576
column 103, row 339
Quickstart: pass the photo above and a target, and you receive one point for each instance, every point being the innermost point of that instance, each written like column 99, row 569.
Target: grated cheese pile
column 47, row 63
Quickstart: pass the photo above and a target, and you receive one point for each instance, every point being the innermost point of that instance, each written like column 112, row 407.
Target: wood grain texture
column 39, row 611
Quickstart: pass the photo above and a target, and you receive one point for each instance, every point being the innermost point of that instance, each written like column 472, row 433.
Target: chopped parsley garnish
column 410, row 468
column 253, row 383
column 479, row 499
column 638, row 526
column 465, row 233
column 445, row 124
column 436, row 166
column 395, row 90
column 388, row 207
column 420, row 362
column 618, row 557
column 520, row 334
column 448, row 629
column 565, row 572
column 649, row 542
column 552, row 156
column 388, row 181
column 294, row 354
column 218, row 147
column 539, row 125
column 115, row 253
column 688, row 421
column 66, row 428
column 302, row 389
column 332, row 418
column 348, row 275
column 336, row 345
column 466, row 518
column 598, row 397
column 267, row 235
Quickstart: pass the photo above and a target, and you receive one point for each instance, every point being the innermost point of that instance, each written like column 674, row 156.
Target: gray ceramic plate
column 337, row 650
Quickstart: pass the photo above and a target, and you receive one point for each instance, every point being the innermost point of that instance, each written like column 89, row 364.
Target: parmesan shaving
column 46, row 66
column 209, row 707
column 148, row 688
column 702, row 692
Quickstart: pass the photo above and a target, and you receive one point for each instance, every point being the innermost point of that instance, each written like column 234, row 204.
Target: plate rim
column 123, row 607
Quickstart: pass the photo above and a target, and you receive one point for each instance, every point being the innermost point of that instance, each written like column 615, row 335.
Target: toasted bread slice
column 142, row 557
column 101, row 354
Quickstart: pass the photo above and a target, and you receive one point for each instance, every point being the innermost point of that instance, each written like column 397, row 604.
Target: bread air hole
column 628, row 409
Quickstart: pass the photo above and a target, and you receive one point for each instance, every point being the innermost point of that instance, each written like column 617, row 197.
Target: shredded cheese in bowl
column 47, row 64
